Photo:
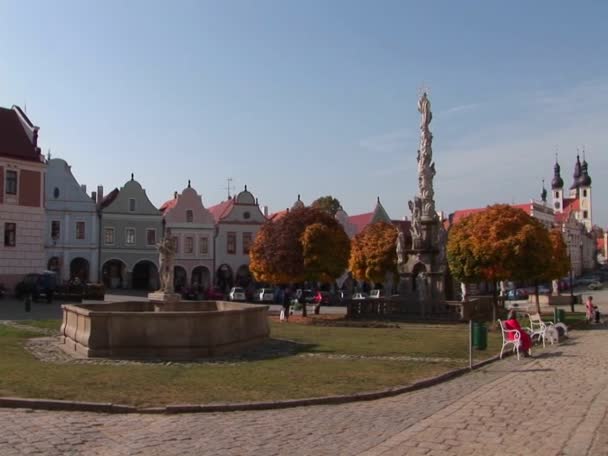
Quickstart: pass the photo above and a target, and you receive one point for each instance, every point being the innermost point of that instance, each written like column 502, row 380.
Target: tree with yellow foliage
column 499, row 243
column 373, row 252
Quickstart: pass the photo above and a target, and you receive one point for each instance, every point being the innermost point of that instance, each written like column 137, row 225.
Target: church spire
column 557, row 181
column 543, row 193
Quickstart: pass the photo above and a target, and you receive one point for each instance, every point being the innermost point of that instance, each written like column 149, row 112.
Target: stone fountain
column 164, row 327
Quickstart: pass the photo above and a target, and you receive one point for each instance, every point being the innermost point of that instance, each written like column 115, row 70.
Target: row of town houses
column 51, row 222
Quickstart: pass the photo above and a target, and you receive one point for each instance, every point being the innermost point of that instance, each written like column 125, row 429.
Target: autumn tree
column 559, row 262
column 328, row 204
column 305, row 244
column 499, row 243
column 373, row 252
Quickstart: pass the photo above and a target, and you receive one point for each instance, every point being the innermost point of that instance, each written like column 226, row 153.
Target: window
column 11, row 182
column 151, row 237
column 176, row 243
column 130, row 236
column 584, row 193
column 189, row 245
column 246, row 215
column 189, row 216
column 557, row 205
column 246, row 243
column 131, row 204
column 108, row 236
column 231, row 243
column 557, row 194
column 80, row 230
column 56, row 193
column 203, row 246
column 10, row 234
column 585, row 214
column 55, row 229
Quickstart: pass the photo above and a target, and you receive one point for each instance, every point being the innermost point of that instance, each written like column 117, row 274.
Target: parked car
column 595, row 286
column 517, row 294
column 322, row 297
column 360, row 295
column 376, row 293
column 37, row 285
column 305, row 296
column 237, row 294
column 265, row 295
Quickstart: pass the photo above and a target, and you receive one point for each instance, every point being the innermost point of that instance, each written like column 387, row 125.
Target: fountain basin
column 183, row 330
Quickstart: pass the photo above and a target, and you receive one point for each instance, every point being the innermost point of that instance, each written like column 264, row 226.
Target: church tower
column 557, row 188
column 584, row 189
column 576, row 177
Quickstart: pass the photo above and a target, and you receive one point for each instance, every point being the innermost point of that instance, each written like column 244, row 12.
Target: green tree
column 328, row 204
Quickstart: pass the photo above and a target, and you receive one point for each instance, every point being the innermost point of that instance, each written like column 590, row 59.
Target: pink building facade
column 22, row 218
column 193, row 227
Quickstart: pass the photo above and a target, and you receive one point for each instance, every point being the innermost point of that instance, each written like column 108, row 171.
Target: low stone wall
column 551, row 300
column 189, row 330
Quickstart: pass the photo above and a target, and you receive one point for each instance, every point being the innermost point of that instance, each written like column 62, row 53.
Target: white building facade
column 72, row 225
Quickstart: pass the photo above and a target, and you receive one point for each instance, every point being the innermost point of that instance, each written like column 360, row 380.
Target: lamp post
column 571, row 267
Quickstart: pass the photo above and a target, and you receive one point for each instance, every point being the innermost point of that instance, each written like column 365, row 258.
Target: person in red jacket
column 525, row 341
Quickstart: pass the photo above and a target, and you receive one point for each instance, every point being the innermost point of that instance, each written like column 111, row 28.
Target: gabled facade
column 72, row 225
column 22, row 218
column 131, row 227
column 238, row 221
column 193, row 227
column 354, row 224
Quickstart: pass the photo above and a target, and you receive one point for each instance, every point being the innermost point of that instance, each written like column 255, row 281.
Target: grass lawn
column 285, row 377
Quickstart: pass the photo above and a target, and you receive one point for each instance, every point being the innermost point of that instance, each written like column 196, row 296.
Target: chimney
column 174, row 195
column 99, row 193
column 94, row 196
column 84, row 188
column 265, row 211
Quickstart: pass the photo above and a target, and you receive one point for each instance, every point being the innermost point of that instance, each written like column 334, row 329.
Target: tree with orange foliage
column 499, row 243
column 559, row 262
column 305, row 244
column 373, row 252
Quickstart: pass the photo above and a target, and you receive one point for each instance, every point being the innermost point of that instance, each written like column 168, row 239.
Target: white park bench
column 515, row 341
column 543, row 330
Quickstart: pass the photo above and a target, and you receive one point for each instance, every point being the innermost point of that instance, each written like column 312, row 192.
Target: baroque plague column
column 422, row 267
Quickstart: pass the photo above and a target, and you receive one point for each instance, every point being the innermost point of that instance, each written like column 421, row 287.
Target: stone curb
column 106, row 407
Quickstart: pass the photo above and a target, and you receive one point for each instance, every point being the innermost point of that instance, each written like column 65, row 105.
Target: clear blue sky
column 314, row 97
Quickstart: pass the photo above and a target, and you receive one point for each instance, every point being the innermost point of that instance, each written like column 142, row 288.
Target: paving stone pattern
column 553, row 404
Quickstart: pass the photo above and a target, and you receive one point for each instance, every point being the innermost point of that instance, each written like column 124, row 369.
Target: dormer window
column 56, row 192
column 131, row 204
column 189, row 216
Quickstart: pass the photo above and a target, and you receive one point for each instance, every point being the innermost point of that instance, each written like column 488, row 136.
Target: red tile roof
column 109, row 198
column 14, row 141
column 168, row 205
column 570, row 205
column 219, row 211
column 600, row 244
column 360, row 221
column 278, row 215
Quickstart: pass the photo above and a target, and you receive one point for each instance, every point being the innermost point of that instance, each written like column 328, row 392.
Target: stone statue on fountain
column 166, row 256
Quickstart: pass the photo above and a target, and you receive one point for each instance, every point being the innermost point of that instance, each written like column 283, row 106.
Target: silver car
column 237, row 294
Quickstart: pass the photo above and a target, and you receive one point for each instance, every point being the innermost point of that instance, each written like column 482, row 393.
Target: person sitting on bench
column 525, row 340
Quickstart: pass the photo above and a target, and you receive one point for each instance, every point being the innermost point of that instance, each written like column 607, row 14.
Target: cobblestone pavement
column 552, row 404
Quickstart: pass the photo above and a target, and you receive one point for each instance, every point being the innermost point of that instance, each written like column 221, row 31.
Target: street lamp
column 570, row 237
